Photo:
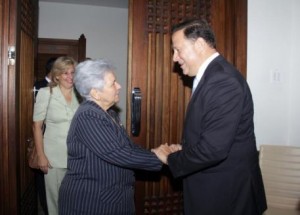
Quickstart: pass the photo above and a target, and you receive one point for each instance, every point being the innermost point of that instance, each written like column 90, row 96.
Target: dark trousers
column 41, row 191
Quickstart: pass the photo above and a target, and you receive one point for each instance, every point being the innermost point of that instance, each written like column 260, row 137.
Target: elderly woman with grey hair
column 101, row 156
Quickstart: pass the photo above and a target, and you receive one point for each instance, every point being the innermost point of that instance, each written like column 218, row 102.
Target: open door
column 8, row 152
column 19, row 34
column 158, row 94
column 27, row 40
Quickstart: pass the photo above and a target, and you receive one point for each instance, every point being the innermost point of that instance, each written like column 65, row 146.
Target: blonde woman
column 55, row 106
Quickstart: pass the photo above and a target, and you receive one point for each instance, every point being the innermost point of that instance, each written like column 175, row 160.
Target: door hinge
column 11, row 55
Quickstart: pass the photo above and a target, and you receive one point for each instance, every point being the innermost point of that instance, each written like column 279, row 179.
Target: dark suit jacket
column 101, row 162
column 40, row 84
column 219, row 160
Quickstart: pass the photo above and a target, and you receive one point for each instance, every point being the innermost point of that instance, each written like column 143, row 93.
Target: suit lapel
column 58, row 96
column 201, row 84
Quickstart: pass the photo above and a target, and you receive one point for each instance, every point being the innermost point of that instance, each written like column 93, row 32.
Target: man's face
column 185, row 53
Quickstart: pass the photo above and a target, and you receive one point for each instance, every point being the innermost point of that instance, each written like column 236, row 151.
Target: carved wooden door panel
column 164, row 91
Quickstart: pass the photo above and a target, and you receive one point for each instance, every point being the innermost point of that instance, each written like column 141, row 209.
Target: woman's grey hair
column 90, row 74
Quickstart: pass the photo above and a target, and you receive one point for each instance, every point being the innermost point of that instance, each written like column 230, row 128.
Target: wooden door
column 17, row 184
column 49, row 47
column 27, row 40
column 165, row 91
column 8, row 152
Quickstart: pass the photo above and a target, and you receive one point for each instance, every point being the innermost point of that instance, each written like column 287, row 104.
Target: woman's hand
column 43, row 163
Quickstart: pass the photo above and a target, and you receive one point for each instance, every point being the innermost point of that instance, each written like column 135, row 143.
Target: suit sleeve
column 108, row 142
column 213, row 124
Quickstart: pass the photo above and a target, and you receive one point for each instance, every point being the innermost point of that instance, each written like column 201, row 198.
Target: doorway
column 105, row 27
column 48, row 48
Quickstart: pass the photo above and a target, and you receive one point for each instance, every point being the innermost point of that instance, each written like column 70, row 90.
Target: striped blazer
column 101, row 163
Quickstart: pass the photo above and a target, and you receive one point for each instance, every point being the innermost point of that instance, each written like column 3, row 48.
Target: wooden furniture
column 280, row 166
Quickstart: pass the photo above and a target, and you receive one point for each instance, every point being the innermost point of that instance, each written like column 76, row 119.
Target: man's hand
column 163, row 151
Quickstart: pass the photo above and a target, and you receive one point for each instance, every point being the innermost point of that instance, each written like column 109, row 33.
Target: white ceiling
column 104, row 3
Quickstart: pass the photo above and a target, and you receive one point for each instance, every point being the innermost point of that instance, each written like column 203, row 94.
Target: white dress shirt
column 202, row 69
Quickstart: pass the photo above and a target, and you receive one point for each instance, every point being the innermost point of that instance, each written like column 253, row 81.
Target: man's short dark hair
column 195, row 28
column 49, row 64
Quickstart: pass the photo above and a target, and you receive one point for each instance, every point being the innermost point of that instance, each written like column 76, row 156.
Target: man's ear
column 200, row 44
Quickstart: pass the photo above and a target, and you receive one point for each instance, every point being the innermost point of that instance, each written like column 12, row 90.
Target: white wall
column 273, row 70
column 273, row 48
column 105, row 29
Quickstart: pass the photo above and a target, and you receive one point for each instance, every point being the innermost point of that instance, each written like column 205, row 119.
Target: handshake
column 163, row 151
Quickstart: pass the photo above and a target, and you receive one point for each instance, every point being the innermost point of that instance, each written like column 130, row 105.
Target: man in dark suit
column 218, row 161
column 44, row 83
column 39, row 175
